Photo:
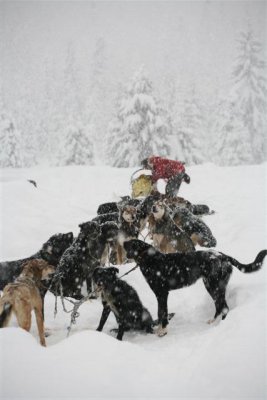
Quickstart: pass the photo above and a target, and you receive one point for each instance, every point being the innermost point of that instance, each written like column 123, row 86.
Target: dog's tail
column 5, row 312
column 247, row 268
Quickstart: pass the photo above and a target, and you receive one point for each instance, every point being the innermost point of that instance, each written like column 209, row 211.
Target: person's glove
column 186, row 178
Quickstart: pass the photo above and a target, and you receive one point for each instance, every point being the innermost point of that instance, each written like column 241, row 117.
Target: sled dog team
column 73, row 267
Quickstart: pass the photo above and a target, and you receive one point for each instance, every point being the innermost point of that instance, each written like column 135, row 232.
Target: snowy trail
column 224, row 360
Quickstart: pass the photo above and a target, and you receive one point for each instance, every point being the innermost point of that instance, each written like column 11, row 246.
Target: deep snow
column 225, row 360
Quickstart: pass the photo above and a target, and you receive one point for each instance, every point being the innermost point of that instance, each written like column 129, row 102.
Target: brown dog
column 23, row 295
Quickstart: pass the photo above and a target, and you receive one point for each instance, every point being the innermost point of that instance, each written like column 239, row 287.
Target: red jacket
column 162, row 168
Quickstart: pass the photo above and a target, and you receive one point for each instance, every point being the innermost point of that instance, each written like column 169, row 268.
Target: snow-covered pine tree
column 99, row 98
column 213, row 114
column 140, row 128
column 249, row 94
column 29, row 126
column 70, row 91
column 47, row 116
column 75, row 135
column 172, row 99
column 10, row 141
column 190, row 131
column 230, row 146
column 78, row 147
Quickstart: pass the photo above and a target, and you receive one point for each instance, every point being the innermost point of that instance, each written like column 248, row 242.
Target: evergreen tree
column 71, row 89
column 78, row 149
column 52, row 117
column 140, row 128
column 190, row 130
column 69, row 125
column 214, row 113
column 231, row 146
column 29, row 126
column 97, row 113
column 249, row 94
column 172, row 95
column 10, row 141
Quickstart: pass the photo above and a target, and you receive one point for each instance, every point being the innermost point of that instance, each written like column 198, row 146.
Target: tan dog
column 22, row 296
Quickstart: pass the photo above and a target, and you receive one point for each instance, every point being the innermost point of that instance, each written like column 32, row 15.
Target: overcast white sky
column 195, row 40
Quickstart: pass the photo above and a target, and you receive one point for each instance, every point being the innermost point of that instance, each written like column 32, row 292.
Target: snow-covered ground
column 195, row 360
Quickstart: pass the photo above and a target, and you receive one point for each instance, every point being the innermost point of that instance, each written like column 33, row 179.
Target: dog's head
column 135, row 247
column 37, row 269
column 104, row 277
column 128, row 213
column 56, row 245
column 109, row 231
column 158, row 209
column 146, row 204
column 90, row 229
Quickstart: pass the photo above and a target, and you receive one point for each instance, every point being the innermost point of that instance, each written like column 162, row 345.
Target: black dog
column 73, row 275
column 130, row 222
column 123, row 300
column 130, row 226
column 198, row 231
column 111, row 207
column 51, row 252
column 108, row 217
column 165, row 272
column 107, row 208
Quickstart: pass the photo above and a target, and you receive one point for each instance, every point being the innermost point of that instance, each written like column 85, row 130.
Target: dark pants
column 173, row 185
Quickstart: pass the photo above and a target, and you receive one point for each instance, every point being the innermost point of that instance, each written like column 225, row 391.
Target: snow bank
column 195, row 360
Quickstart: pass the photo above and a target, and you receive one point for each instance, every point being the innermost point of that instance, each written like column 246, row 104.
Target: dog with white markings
column 166, row 272
column 121, row 299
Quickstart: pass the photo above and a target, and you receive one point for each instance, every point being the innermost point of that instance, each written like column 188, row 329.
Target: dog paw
column 211, row 321
column 162, row 331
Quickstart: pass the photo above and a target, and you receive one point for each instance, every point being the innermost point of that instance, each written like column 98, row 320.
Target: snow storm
column 88, row 91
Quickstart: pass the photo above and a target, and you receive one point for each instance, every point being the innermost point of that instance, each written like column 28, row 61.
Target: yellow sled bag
column 141, row 186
